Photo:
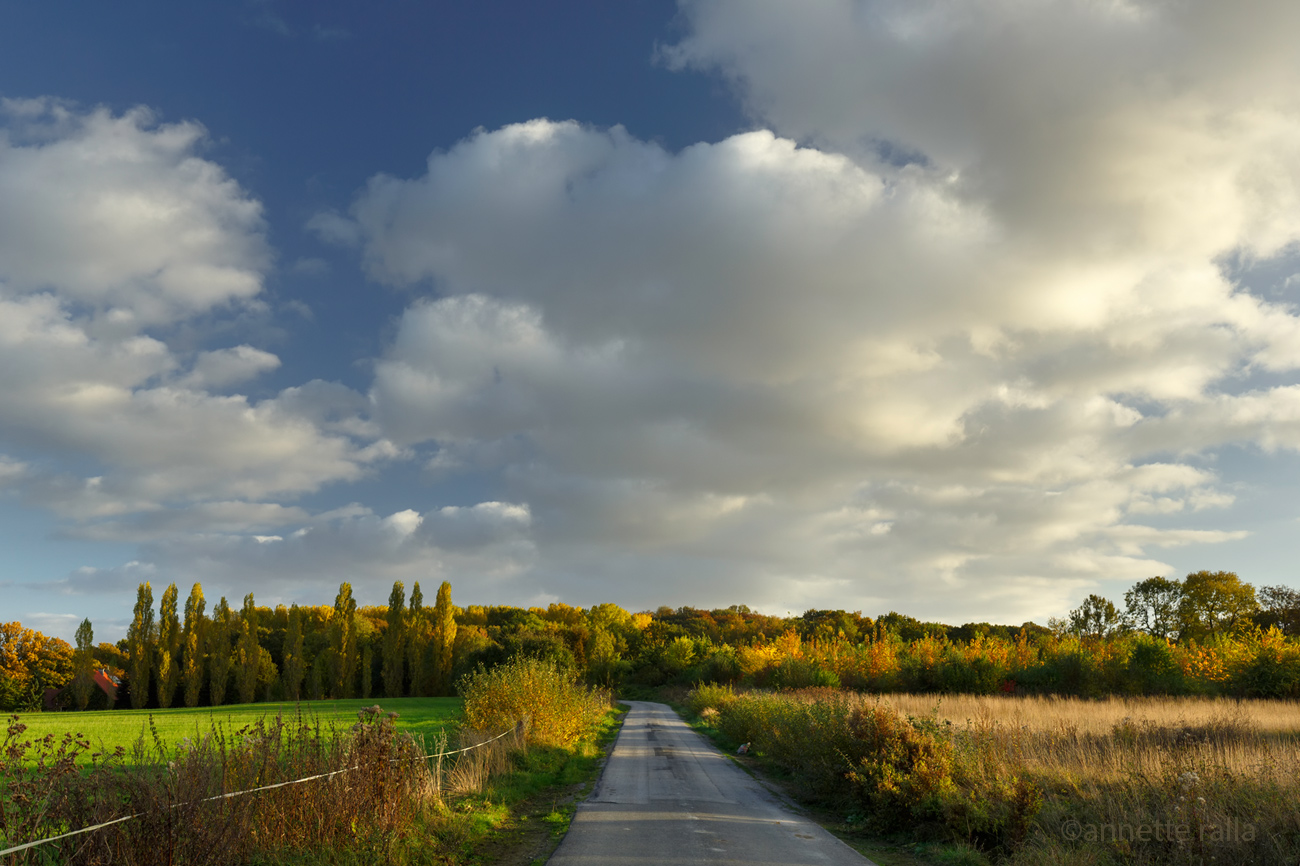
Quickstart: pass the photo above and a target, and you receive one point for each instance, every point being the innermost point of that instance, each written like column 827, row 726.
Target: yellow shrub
column 558, row 708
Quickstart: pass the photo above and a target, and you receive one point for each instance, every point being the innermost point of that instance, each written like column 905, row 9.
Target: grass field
column 1029, row 781
column 108, row 729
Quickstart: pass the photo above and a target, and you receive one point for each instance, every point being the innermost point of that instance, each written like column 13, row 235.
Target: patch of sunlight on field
column 1101, row 716
column 108, row 729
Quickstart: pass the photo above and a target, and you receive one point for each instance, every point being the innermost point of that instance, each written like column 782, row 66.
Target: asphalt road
column 667, row 796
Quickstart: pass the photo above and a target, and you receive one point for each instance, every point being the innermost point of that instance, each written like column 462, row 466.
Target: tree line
column 1207, row 633
column 1204, row 605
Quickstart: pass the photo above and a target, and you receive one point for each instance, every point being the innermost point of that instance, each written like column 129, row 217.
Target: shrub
column 559, row 709
column 710, row 696
column 903, row 770
column 1151, row 668
column 722, row 665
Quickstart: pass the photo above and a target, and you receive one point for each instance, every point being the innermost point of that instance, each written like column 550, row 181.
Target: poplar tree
column 83, row 682
column 192, row 646
column 417, row 641
column 343, row 634
column 292, row 669
column 169, row 645
column 219, row 652
column 443, row 638
column 248, row 655
column 367, row 667
column 139, row 640
column 394, row 647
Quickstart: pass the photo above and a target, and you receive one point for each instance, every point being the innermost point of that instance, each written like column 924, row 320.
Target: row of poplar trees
column 324, row 652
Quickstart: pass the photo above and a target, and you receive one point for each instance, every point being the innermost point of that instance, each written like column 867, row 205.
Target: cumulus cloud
column 223, row 367
column 960, row 328
column 958, row 322
column 118, row 213
column 115, row 234
column 485, row 550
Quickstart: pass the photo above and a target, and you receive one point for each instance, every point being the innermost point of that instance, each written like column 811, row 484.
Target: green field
column 107, row 729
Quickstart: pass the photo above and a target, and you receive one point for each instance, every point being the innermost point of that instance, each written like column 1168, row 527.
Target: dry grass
column 1120, row 781
column 1101, row 716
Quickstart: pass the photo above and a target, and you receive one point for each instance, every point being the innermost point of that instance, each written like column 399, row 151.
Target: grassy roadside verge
column 520, row 817
column 1027, row 782
column 897, row 850
column 497, row 805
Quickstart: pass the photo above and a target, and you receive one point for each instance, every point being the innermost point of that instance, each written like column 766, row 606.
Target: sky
column 960, row 310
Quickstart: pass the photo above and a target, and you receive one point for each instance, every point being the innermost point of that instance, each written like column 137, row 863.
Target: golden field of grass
column 1139, row 780
column 1040, row 781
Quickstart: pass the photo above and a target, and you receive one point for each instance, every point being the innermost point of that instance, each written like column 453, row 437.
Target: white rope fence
column 512, row 729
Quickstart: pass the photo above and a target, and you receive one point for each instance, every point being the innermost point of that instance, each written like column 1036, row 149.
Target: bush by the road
column 559, row 709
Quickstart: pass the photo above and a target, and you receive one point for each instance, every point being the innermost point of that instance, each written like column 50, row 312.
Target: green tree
column 1281, row 608
column 83, row 683
column 1152, row 606
column 417, row 641
column 1214, row 603
column 1096, row 617
column 248, row 656
column 293, row 668
column 140, row 640
column 192, row 646
column 343, row 635
column 443, row 638
column 367, row 670
column 394, row 646
column 219, row 657
column 169, row 646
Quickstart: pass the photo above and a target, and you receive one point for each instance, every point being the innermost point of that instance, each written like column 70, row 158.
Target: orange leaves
column 28, row 657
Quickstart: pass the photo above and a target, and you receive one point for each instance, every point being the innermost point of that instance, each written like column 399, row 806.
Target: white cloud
column 119, row 214
column 1030, row 309
column 224, row 367
column 953, row 334
column 486, row 550
column 114, row 235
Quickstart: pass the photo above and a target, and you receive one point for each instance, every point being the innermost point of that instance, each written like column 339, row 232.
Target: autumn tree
column 417, row 641
column 83, row 682
column 1152, row 606
column 248, row 655
column 443, row 639
column 219, row 658
column 343, row 639
column 169, row 647
column 1214, row 603
column 140, row 642
column 31, row 662
column 192, row 646
column 292, row 668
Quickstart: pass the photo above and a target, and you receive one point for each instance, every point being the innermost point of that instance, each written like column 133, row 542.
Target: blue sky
column 880, row 305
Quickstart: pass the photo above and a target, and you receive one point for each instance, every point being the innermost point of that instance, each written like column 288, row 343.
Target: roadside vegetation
column 376, row 798
column 1033, row 781
column 843, row 703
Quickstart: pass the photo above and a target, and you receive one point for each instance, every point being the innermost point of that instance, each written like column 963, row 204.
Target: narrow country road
column 667, row 796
